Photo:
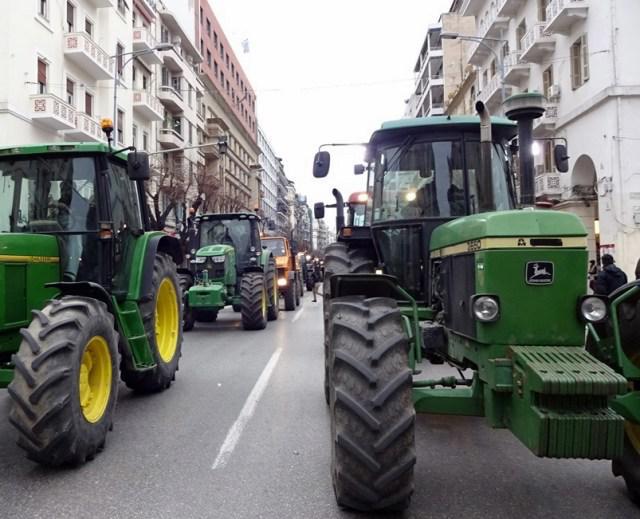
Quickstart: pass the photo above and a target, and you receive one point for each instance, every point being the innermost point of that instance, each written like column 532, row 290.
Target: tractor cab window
column 52, row 195
column 238, row 233
column 275, row 246
column 125, row 208
column 359, row 215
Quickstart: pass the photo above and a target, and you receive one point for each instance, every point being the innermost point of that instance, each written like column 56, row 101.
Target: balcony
column 102, row 3
column 171, row 98
column 514, row 69
column 536, row 44
column 168, row 138
column 546, row 124
column 84, row 52
column 471, row 7
column 509, row 7
column 86, row 129
column 143, row 41
column 149, row 6
column 491, row 94
column 147, row 106
column 547, row 185
column 52, row 112
column 172, row 60
column 562, row 14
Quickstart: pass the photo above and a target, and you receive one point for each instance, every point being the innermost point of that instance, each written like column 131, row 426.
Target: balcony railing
column 562, row 14
column 52, row 112
column 86, row 129
column 169, row 138
column 514, row 68
column 548, row 185
column 536, row 43
column 84, row 52
column 144, row 42
column 147, row 105
column 171, row 98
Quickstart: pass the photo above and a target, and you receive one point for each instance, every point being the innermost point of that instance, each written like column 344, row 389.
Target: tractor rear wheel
column 65, row 386
column 290, row 298
column 372, row 414
column 188, row 315
column 629, row 465
column 161, row 315
column 272, row 291
column 253, row 301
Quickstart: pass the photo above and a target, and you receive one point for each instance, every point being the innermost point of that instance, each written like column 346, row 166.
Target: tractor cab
column 357, row 209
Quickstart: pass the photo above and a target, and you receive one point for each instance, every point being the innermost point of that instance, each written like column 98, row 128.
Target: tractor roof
column 57, row 148
column 436, row 123
column 229, row 216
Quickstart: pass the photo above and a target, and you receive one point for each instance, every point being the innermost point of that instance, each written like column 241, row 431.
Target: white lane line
column 233, row 436
column 297, row 316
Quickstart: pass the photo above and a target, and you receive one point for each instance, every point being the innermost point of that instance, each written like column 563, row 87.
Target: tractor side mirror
column 358, row 169
column 138, row 166
column 318, row 210
column 321, row 163
column 561, row 158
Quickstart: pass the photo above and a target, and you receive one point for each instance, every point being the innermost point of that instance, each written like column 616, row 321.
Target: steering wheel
column 64, row 216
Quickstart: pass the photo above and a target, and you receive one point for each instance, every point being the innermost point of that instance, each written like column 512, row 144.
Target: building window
column 548, row 156
column 133, row 76
column 547, row 81
column 215, row 69
column 164, row 34
column 215, row 38
column 542, row 10
column 222, row 78
column 71, row 88
column 145, row 141
column 43, row 9
column 209, row 58
column 122, row 6
column 88, row 104
column 120, row 128
column 579, row 62
column 71, row 15
column 233, row 71
column 201, row 16
column 145, row 82
column 227, row 60
column 208, row 27
column 201, row 46
column 228, row 87
column 493, row 67
column 189, row 95
column 221, row 50
column 134, row 135
column 42, row 77
column 119, row 60
column 88, row 26
column 521, row 30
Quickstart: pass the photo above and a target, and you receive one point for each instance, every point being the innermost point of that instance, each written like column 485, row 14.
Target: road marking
column 297, row 316
column 233, row 436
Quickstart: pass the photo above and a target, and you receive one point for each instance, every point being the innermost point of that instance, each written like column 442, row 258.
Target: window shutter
column 88, row 104
column 585, row 59
column 575, row 65
column 70, row 9
column 42, row 72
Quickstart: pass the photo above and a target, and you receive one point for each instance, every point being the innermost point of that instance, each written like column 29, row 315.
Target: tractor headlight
column 282, row 282
column 485, row 308
column 199, row 259
column 593, row 309
column 218, row 259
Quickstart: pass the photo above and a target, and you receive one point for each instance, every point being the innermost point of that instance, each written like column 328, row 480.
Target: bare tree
column 171, row 181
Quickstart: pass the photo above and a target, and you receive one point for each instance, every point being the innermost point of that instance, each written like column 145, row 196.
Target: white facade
column 580, row 54
column 269, row 165
column 428, row 96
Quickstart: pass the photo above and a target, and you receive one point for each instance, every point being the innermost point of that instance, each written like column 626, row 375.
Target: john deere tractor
column 87, row 294
column 229, row 267
column 454, row 272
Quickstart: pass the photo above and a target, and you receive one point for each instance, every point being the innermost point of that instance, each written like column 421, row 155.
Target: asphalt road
column 163, row 459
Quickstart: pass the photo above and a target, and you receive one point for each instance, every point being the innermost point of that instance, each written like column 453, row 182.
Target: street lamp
column 134, row 54
column 481, row 41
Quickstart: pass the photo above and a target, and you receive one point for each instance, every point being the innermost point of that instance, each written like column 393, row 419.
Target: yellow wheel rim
column 275, row 293
column 264, row 303
column 167, row 317
column 94, row 382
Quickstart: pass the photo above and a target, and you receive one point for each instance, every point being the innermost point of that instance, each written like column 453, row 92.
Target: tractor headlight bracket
column 485, row 307
column 593, row 309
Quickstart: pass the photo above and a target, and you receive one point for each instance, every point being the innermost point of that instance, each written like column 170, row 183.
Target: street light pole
column 481, row 41
column 133, row 54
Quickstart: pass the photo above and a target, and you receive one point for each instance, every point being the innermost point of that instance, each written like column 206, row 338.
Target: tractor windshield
column 240, row 233
column 359, row 215
column 423, row 178
column 56, row 195
column 275, row 246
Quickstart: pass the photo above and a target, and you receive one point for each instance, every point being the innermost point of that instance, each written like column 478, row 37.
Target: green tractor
column 229, row 267
column 454, row 273
column 87, row 294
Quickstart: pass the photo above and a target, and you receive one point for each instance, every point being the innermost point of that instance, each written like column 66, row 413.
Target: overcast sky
column 327, row 71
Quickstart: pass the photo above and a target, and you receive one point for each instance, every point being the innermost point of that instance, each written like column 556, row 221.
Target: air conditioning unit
column 553, row 92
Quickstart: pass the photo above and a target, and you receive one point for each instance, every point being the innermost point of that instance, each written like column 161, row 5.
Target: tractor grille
column 214, row 270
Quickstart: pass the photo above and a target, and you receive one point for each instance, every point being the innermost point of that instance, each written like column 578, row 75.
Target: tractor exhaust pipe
column 485, row 197
column 524, row 108
column 339, row 209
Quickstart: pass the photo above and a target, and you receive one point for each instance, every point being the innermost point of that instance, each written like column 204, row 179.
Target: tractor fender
column 147, row 247
column 368, row 285
column 83, row 289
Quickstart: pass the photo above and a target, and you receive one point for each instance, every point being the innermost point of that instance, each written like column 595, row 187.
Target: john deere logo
column 539, row 273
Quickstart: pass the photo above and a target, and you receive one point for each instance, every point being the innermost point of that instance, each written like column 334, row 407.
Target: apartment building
column 229, row 107
column 440, row 67
column 580, row 54
column 269, row 165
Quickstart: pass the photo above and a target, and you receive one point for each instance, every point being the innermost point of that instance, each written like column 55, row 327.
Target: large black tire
column 340, row 258
column 296, row 290
column 372, row 414
column 290, row 298
column 300, row 286
column 629, row 465
column 72, row 340
column 166, row 355
column 254, row 304
column 188, row 315
column 272, row 290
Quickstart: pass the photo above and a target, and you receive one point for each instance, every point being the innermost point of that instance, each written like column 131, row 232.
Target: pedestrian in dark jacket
column 610, row 277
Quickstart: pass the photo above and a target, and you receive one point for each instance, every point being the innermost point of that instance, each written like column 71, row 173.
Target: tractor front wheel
column 162, row 318
column 253, row 301
column 290, row 298
column 189, row 318
column 629, row 465
column 372, row 414
column 65, row 386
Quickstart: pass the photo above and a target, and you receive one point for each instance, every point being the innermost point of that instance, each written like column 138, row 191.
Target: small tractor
column 453, row 272
column 229, row 266
column 289, row 273
column 88, row 294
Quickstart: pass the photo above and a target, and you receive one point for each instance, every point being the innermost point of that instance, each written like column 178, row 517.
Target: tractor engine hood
column 214, row 250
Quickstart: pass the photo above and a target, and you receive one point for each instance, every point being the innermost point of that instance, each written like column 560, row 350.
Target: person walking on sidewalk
column 317, row 278
column 610, row 277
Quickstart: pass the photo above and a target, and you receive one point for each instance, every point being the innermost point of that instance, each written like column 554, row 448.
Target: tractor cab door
column 127, row 226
